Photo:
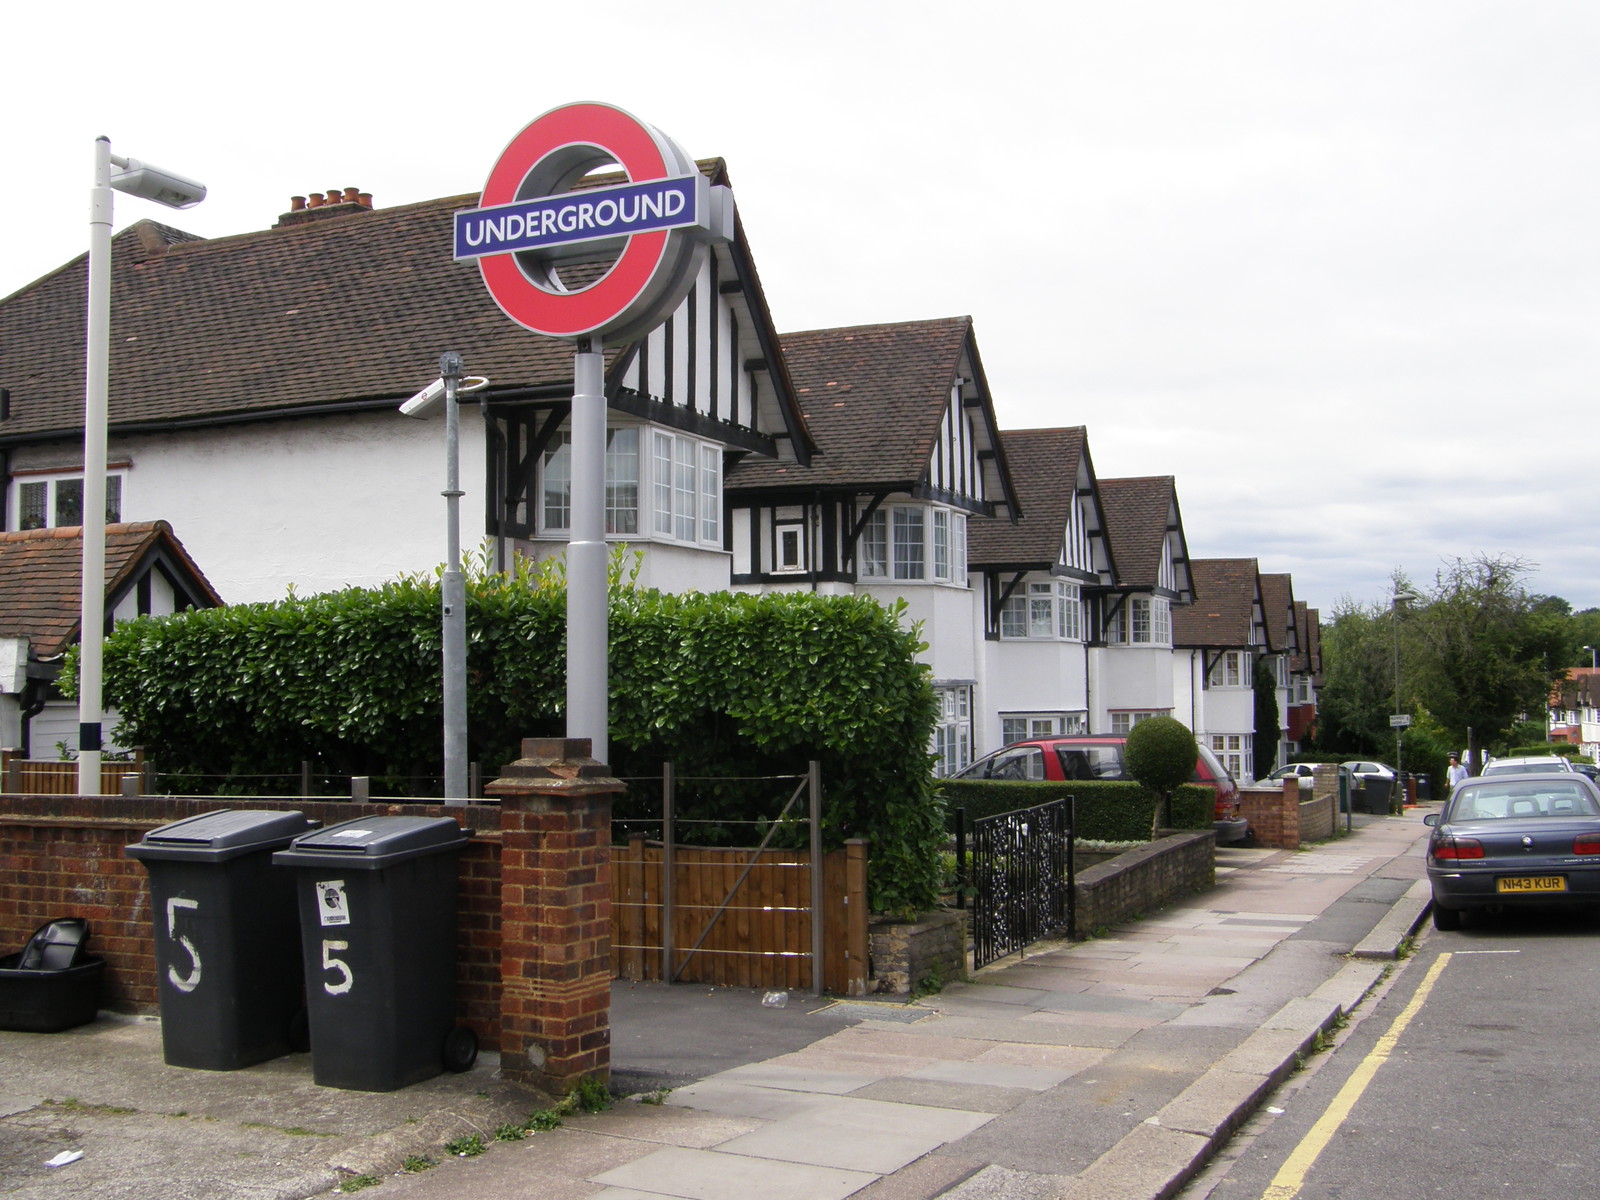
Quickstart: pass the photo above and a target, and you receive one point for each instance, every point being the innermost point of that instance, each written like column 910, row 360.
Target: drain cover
column 866, row 1010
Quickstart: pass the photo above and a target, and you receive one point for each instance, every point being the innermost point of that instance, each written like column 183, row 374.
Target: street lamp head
column 1404, row 597
column 138, row 178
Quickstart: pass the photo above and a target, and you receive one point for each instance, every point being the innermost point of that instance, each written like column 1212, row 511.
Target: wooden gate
column 741, row 916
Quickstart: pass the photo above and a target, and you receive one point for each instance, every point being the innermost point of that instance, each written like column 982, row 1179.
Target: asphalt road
column 1473, row 1075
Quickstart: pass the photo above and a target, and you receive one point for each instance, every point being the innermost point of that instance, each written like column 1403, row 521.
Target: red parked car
column 1095, row 756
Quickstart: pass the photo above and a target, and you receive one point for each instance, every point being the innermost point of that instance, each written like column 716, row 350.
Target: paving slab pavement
column 1107, row 1068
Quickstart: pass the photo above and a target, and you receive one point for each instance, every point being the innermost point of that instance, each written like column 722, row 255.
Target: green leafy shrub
column 722, row 685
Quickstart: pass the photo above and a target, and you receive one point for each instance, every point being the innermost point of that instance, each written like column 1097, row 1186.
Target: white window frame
column 789, row 548
column 951, row 744
column 1028, row 726
column 1234, row 751
column 28, row 482
column 1122, row 722
column 1231, row 671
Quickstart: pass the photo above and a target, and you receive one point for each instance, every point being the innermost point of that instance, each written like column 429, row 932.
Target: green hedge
column 1107, row 811
column 722, row 685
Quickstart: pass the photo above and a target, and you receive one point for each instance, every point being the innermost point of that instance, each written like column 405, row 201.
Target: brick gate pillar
column 555, row 914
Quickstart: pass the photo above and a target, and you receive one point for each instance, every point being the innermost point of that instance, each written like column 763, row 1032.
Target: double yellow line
column 1291, row 1177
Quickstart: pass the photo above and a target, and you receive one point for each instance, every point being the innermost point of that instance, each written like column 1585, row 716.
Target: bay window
column 682, row 477
column 914, row 542
column 1048, row 611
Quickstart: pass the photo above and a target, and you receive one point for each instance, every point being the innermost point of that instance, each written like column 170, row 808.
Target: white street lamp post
column 137, row 179
column 1394, row 617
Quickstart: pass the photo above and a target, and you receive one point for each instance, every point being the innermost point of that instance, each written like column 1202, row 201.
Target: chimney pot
column 335, row 195
column 364, row 199
column 316, row 200
column 297, row 204
column 352, row 195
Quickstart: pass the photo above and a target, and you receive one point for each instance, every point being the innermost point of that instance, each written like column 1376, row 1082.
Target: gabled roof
column 1141, row 514
column 41, row 574
column 1222, row 616
column 1305, row 622
column 347, row 311
column 874, row 398
column 1277, row 609
column 1044, row 468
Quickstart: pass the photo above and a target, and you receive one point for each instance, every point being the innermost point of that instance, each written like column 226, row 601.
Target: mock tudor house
column 1036, row 578
column 255, row 383
column 255, row 386
column 1134, row 674
column 148, row 572
column 1215, row 643
column 1283, row 643
column 1305, row 668
column 909, row 465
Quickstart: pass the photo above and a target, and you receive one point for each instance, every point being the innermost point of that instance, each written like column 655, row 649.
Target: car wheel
column 1447, row 919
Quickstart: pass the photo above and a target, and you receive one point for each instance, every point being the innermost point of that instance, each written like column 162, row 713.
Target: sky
column 1333, row 266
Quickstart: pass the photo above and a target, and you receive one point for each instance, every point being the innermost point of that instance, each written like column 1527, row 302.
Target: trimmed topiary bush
column 1160, row 753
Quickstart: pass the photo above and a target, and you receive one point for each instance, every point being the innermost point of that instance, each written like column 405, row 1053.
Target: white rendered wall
column 947, row 615
column 1131, row 678
column 319, row 503
column 1027, row 676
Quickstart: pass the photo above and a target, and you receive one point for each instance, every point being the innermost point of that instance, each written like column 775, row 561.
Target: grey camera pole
column 454, row 590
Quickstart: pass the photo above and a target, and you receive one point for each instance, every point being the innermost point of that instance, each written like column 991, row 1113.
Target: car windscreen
column 1019, row 762
column 1513, row 800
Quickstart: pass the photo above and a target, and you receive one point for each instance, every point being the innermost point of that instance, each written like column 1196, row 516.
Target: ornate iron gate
column 1022, row 878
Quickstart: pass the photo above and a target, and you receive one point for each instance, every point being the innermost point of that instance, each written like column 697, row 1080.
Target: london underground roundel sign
column 534, row 218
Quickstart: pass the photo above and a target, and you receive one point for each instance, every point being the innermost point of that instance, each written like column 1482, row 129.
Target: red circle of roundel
column 633, row 146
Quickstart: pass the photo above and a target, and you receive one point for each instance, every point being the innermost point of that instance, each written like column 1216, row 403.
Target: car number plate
column 1531, row 883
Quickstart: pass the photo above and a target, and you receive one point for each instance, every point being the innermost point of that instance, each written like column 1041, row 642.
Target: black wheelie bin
column 227, row 936
column 378, row 922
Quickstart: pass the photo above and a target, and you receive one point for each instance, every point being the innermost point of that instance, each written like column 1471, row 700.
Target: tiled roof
column 352, row 308
column 1044, row 468
column 1225, row 592
column 1277, row 609
column 1136, row 512
column 873, row 397
column 41, row 572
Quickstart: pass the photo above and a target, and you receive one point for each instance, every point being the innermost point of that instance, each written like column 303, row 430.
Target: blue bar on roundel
column 582, row 216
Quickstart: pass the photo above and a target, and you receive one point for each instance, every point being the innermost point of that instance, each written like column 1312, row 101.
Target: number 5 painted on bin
column 330, row 963
column 184, row 983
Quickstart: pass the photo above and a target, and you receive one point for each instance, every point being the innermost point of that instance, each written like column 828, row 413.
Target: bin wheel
column 460, row 1049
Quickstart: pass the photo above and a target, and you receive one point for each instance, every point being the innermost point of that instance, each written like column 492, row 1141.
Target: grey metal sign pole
column 587, row 601
column 454, row 590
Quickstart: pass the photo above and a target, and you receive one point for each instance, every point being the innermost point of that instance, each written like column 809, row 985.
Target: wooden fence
column 59, row 777
column 740, row 917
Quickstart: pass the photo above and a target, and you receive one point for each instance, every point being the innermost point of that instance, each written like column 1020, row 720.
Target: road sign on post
column 1400, row 721
column 641, row 244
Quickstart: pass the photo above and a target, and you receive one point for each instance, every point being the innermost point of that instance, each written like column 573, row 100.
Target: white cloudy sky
column 1332, row 265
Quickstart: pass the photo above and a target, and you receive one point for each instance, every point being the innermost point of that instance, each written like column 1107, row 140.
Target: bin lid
column 368, row 843
column 224, row 834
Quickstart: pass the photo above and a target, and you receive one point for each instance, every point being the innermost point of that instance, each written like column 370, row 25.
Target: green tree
column 1483, row 650
column 1160, row 754
column 1357, row 681
column 1269, row 721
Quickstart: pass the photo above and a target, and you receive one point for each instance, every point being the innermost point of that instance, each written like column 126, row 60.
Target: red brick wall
column 1273, row 813
column 63, row 856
